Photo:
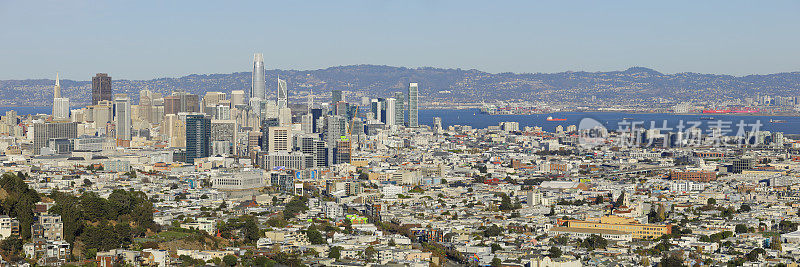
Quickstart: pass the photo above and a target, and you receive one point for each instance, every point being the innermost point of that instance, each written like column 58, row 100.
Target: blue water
column 474, row 118
column 27, row 110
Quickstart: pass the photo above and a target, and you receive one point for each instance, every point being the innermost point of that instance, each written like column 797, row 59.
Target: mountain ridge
column 443, row 85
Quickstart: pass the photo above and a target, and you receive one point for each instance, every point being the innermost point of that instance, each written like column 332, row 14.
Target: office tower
column 375, row 109
column 237, row 98
column 413, row 108
column 283, row 94
column 122, row 116
column 61, row 108
column 285, row 116
column 399, row 108
column 340, row 108
column 306, row 124
column 316, row 115
column 175, row 130
column 198, row 137
column 259, row 81
column 222, row 112
column 101, row 88
column 60, row 105
column 365, row 101
column 145, row 106
column 280, row 139
column 211, row 100
column 336, row 96
column 57, row 88
column 44, row 131
column 265, row 125
column 390, row 110
column 223, row 137
column 181, row 102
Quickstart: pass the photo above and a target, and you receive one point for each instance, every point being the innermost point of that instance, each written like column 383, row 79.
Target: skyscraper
column 336, row 96
column 57, row 88
column 198, row 137
column 399, row 108
column 61, row 108
column 390, row 108
column 413, row 108
column 283, row 94
column 259, row 86
column 145, row 105
column 122, row 117
column 44, row 131
column 60, row 104
column 237, row 98
column 101, row 88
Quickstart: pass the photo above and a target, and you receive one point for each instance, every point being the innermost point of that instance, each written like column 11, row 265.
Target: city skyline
column 707, row 37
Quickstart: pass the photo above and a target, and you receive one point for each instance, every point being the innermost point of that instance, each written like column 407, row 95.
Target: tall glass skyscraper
column 413, row 108
column 259, row 86
column 283, row 94
column 198, row 136
column 399, row 108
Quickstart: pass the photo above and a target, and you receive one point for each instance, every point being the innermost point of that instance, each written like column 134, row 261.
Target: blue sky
column 151, row 39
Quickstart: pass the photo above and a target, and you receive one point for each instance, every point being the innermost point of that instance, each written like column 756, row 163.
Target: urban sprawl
column 242, row 180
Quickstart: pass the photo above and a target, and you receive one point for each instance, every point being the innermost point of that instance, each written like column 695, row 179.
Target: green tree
column 335, row 252
column 250, row 229
column 711, row 201
column 497, row 262
column 492, row 230
column 672, row 261
column 230, row 260
column 741, row 228
column 496, row 247
column 315, row 237
column 554, row 252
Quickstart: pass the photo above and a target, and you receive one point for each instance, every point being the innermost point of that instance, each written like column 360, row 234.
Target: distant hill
column 634, row 85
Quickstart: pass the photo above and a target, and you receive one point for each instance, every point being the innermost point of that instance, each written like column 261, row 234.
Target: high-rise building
column 175, row 130
column 181, row 102
column 101, row 88
column 211, row 100
column 283, row 94
column 399, row 108
column 44, row 131
column 336, row 96
column 57, row 88
column 145, row 105
column 259, row 81
column 413, row 108
column 390, row 108
column 122, row 116
column 198, row 137
column 223, row 137
column 285, row 116
column 280, row 139
column 61, row 108
column 60, row 104
column 237, row 98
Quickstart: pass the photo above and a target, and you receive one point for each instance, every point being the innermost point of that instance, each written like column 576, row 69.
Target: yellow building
column 619, row 223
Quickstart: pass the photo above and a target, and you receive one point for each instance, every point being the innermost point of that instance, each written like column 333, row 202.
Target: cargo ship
column 777, row 121
column 555, row 119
